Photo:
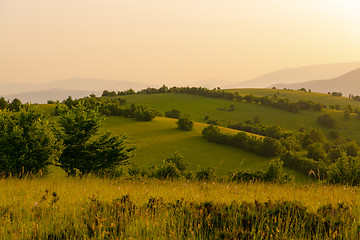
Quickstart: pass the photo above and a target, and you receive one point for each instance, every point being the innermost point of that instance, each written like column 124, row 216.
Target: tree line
column 274, row 101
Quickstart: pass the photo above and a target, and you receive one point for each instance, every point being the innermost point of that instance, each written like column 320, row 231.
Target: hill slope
column 348, row 83
column 198, row 107
column 158, row 139
column 300, row 74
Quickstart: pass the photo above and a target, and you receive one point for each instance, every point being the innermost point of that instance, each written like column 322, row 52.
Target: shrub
column 185, row 123
column 173, row 114
column 275, row 172
column 271, row 147
column 346, row 170
column 327, row 121
column 167, row 170
column 212, row 122
column 27, row 142
column 177, row 159
column 316, row 151
column 206, row 174
column 144, row 114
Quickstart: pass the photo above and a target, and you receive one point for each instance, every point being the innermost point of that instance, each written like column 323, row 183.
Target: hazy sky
column 168, row 41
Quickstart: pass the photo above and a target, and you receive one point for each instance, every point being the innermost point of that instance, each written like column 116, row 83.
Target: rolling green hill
column 158, row 139
column 296, row 95
column 198, row 107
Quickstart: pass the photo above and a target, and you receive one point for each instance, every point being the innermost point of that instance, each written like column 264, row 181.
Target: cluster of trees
column 309, row 152
column 273, row 131
column 111, row 107
column 275, row 101
column 269, row 147
column 29, row 142
column 14, row 105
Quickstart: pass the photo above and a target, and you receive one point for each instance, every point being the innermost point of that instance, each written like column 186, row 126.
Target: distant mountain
column 346, row 84
column 295, row 75
column 78, row 84
column 51, row 94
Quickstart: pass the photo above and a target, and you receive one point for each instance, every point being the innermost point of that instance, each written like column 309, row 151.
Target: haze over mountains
column 292, row 78
column 348, row 83
column 296, row 75
column 61, row 89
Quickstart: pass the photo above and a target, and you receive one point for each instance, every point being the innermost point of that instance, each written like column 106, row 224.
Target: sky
column 172, row 41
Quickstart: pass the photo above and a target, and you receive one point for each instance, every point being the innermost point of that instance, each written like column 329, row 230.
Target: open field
column 296, row 95
column 198, row 107
column 158, row 139
column 69, row 208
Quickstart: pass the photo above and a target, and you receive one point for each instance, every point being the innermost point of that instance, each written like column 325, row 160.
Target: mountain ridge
column 348, row 83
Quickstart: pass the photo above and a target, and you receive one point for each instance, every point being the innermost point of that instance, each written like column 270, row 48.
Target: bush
column 185, row 124
column 206, row 174
column 173, row 114
column 177, row 159
column 327, row 121
column 167, row 170
column 346, row 170
column 316, row 151
column 27, row 142
column 275, row 172
column 144, row 114
column 271, row 147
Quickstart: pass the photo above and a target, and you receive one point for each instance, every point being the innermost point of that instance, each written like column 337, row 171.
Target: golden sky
column 171, row 41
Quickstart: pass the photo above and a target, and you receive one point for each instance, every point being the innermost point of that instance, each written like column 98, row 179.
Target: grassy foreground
column 93, row 208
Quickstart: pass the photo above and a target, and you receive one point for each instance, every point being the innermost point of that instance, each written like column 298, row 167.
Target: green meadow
column 158, row 139
column 198, row 107
column 59, row 207
column 295, row 95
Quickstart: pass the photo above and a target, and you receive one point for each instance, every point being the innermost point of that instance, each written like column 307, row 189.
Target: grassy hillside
column 158, row 139
column 198, row 107
column 295, row 95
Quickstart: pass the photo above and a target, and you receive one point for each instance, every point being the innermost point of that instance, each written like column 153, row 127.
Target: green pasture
column 158, row 139
column 198, row 107
column 296, row 95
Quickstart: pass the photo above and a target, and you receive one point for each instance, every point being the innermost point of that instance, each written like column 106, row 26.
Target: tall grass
column 93, row 208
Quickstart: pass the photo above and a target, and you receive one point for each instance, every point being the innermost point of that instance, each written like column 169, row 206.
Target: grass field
column 158, row 139
column 198, row 107
column 296, row 95
column 93, row 208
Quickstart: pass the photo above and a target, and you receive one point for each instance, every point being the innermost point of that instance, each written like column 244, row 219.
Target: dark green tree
column 15, row 105
column 3, row 103
column 316, row 151
column 271, row 147
column 85, row 151
column 28, row 142
column 185, row 123
column 327, row 121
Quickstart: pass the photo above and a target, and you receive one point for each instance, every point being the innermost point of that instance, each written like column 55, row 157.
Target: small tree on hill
column 327, row 121
column 174, row 113
column 185, row 123
column 85, row 151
